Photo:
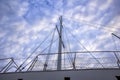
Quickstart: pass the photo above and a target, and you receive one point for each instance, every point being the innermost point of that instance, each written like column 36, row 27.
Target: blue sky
column 25, row 23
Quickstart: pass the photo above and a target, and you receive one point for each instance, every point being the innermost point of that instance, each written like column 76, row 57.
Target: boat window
column 66, row 78
column 118, row 77
column 20, row 79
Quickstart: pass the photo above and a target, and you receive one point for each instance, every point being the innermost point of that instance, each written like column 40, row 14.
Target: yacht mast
column 60, row 45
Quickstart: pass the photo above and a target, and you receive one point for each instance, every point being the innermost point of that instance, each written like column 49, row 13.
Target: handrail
column 80, row 61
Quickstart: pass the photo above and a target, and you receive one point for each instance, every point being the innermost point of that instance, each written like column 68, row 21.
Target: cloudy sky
column 89, row 23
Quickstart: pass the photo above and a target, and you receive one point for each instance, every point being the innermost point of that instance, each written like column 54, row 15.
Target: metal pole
column 74, row 66
column 32, row 64
column 116, row 35
column 6, row 66
column 60, row 46
column 118, row 61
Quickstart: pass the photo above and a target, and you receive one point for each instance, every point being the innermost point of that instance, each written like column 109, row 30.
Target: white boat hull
column 98, row 74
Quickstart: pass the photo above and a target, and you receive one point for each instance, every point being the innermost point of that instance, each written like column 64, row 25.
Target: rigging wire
column 102, row 28
column 64, row 49
column 69, row 48
column 114, row 39
column 47, row 58
column 34, row 51
column 32, row 64
column 116, row 56
column 12, row 63
column 69, row 56
column 40, row 53
column 94, row 25
column 44, row 50
column 114, row 43
column 86, row 49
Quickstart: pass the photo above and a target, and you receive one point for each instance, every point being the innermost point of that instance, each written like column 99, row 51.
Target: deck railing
column 69, row 61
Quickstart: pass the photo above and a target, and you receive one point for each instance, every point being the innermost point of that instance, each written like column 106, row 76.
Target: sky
column 25, row 23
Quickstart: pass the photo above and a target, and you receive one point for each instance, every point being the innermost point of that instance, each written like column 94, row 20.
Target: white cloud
column 23, row 40
column 23, row 9
column 2, row 34
column 114, row 24
column 18, row 7
column 105, row 5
